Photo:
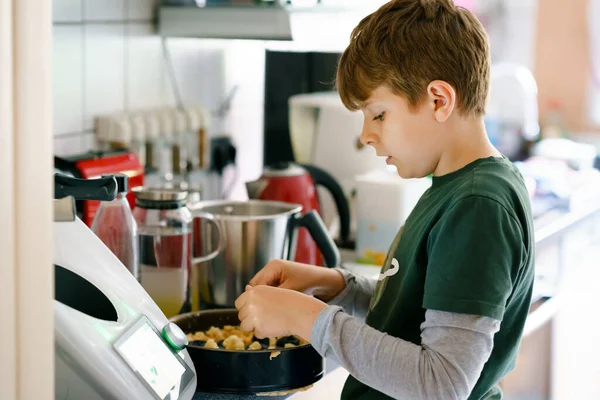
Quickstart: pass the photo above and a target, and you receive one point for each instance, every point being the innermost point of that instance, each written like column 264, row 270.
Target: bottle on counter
column 115, row 225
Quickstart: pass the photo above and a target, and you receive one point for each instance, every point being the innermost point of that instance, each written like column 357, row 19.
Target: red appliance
column 94, row 164
column 291, row 183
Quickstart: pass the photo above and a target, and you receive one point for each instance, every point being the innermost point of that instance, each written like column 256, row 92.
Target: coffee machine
column 111, row 340
column 325, row 134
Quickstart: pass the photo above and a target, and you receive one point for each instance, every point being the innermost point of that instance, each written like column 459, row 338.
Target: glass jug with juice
column 165, row 232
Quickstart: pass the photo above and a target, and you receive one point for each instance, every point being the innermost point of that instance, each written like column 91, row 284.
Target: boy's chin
column 406, row 173
column 402, row 172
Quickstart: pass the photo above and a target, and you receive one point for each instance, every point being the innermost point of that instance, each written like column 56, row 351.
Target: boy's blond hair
column 408, row 43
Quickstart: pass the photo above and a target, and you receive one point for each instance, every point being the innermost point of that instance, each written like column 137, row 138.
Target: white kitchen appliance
column 111, row 340
column 326, row 134
column 384, row 201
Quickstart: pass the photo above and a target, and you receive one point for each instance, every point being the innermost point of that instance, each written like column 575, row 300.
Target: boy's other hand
column 274, row 312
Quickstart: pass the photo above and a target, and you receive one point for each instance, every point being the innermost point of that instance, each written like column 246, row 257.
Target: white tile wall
column 141, row 9
column 245, row 121
column 68, row 144
column 67, row 63
column 67, row 10
column 104, row 10
column 107, row 58
column 88, row 141
column 245, row 66
column 200, row 70
column 104, row 71
column 245, row 124
column 146, row 84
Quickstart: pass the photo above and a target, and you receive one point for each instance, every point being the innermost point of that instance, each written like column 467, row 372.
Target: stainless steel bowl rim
column 288, row 209
column 159, row 194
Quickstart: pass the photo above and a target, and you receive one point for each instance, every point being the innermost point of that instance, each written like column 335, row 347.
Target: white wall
column 107, row 57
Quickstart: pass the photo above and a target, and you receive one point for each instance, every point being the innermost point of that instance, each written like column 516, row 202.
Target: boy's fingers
column 241, row 301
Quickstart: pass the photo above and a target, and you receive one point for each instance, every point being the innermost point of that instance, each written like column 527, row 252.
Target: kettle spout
column 255, row 189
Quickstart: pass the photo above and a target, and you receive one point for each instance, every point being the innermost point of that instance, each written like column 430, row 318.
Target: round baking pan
column 247, row 371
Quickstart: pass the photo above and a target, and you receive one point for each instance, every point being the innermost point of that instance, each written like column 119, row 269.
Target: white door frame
column 26, row 273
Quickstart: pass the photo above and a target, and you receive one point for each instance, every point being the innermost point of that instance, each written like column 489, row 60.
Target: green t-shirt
column 467, row 247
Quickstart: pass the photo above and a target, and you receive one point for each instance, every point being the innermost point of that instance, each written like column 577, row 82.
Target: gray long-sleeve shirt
column 454, row 347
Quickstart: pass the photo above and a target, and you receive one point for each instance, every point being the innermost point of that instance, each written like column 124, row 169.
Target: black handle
column 318, row 231
column 223, row 153
column 103, row 189
column 323, row 178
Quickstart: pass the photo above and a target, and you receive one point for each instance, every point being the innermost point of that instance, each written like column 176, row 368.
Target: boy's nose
column 368, row 138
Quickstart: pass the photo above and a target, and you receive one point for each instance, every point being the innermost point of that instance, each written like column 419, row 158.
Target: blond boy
column 445, row 318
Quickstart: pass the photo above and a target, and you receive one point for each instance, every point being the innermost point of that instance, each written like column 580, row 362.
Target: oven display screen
column 148, row 355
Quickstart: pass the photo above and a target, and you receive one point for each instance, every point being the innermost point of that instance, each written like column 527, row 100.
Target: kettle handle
column 322, row 178
column 318, row 231
column 212, row 220
column 102, row 189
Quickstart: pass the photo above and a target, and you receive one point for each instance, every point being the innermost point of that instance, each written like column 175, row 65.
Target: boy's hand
column 320, row 282
column 273, row 312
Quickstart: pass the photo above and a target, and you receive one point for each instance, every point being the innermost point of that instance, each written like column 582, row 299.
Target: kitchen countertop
column 550, row 226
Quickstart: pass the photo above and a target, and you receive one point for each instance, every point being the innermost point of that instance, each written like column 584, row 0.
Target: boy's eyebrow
column 367, row 103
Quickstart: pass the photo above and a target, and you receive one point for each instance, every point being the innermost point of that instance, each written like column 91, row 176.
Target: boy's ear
column 442, row 98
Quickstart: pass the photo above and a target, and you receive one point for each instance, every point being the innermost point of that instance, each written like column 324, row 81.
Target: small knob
column 174, row 336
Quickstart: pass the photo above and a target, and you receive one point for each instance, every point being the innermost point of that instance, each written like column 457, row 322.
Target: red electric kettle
column 292, row 183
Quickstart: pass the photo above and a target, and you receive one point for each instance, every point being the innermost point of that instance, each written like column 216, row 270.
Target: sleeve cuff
column 318, row 335
column 463, row 306
column 349, row 279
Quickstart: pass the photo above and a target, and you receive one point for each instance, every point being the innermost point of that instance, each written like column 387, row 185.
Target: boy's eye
column 379, row 117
